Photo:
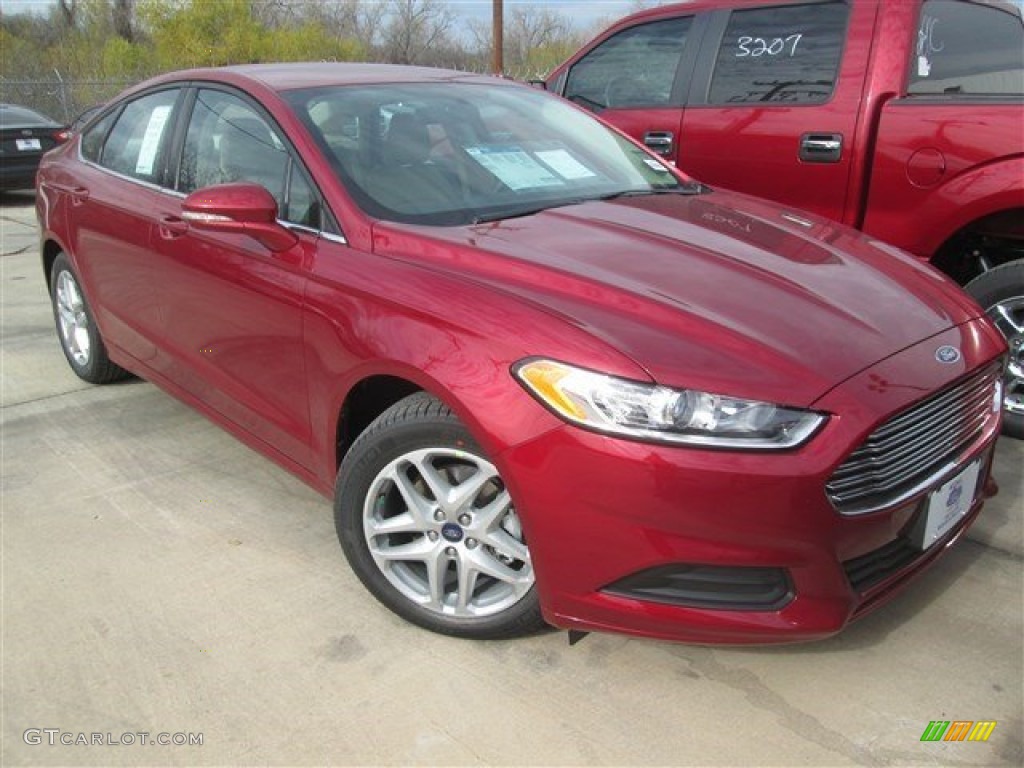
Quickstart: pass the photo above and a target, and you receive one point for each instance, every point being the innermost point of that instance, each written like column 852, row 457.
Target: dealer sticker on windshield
column 949, row 504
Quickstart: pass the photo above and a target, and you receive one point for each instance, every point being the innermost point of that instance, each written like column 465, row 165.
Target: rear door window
column 635, row 67
column 787, row 54
column 968, row 48
column 137, row 144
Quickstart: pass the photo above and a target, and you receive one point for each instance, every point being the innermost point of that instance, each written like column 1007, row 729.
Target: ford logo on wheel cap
column 451, row 532
column 947, row 354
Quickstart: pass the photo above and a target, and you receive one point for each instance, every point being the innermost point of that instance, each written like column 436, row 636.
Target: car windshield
column 460, row 153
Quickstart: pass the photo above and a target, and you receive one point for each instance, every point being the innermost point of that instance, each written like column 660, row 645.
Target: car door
column 113, row 197
column 774, row 102
column 636, row 78
column 233, row 308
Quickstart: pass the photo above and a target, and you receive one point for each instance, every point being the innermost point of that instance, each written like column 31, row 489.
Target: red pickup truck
column 902, row 118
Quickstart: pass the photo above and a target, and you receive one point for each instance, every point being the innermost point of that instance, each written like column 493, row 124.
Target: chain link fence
column 64, row 99
column 59, row 98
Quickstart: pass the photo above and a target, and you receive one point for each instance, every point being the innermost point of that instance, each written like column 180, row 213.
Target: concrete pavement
column 158, row 577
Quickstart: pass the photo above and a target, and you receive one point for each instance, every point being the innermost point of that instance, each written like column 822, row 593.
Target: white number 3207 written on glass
column 758, row 46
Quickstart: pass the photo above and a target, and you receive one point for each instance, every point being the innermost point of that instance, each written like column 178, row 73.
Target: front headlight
column 652, row 412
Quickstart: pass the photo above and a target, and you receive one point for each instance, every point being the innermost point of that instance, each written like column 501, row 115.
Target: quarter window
column 136, row 145
column 966, row 48
column 787, row 54
column 92, row 140
column 636, row 67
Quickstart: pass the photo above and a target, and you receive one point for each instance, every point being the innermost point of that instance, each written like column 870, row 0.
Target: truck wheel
column 1001, row 292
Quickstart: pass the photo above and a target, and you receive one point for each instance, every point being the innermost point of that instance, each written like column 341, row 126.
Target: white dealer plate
column 948, row 504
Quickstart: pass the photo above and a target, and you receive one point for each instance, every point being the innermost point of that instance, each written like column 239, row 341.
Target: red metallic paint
column 719, row 291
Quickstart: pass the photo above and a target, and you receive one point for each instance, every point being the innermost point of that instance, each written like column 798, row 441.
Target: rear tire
column 76, row 328
column 430, row 529
column 1000, row 292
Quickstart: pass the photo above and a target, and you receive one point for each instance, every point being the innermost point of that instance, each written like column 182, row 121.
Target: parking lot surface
column 163, row 583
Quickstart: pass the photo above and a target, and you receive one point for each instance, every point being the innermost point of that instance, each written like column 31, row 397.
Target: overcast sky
column 582, row 12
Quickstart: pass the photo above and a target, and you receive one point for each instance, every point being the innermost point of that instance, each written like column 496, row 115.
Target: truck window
column 966, row 48
column 635, row 67
column 787, row 54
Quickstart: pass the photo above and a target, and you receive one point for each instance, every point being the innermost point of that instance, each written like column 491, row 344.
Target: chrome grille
column 914, row 445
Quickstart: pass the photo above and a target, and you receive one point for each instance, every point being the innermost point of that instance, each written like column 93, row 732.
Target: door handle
column 660, row 142
column 172, row 227
column 821, row 147
column 77, row 194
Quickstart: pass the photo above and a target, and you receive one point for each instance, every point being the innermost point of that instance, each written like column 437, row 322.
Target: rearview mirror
column 538, row 84
column 240, row 208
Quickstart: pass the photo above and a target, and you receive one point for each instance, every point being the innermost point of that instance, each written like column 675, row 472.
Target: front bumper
column 600, row 513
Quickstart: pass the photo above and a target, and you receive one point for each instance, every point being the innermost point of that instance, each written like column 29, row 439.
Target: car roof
column 289, row 76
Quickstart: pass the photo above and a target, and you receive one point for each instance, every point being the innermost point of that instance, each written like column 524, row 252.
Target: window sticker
column 151, row 140
column 514, row 167
column 655, row 165
column 564, row 164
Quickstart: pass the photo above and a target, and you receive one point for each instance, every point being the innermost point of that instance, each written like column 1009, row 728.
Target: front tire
column 430, row 529
column 1000, row 292
column 76, row 328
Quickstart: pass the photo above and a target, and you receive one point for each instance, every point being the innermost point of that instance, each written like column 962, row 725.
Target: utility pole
column 498, row 44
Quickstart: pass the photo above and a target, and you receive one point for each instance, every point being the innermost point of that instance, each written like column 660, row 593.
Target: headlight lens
column 652, row 412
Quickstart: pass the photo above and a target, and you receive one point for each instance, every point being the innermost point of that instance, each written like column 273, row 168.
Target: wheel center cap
column 451, row 532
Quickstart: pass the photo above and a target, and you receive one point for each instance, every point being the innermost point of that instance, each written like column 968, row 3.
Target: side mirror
column 240, row 208
column 538, row 84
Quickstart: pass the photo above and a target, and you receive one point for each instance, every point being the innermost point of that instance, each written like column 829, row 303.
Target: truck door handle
column 661, row 142
column 821, row 147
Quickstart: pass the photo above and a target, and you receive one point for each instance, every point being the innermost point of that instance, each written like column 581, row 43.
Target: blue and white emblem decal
column 947, row 354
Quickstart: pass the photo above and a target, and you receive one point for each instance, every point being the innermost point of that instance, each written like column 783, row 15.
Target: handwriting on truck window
column 927, row 42
column 756, row 47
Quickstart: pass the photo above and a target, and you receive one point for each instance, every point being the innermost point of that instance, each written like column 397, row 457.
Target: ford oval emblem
column 947, row 354
column 451, row 532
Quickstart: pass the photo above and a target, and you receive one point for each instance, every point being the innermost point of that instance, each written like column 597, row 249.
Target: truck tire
column 1000, row 292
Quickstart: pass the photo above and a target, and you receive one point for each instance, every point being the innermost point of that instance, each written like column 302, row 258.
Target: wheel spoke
column 437, row 572
column 419, row 550
column 462, row 495
column 1007, row 322
column 415, row 502
column 406, row 522
column 505, row 544
column 490, row 566
column 466, row 585
column 489, row 515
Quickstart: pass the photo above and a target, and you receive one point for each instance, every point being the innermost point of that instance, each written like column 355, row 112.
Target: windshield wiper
column 694, row 188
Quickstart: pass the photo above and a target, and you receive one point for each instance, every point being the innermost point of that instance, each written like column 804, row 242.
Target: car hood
column 716, row 291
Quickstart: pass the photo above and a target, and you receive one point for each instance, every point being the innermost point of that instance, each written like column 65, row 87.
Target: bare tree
column 357, row 19
column 123, row 14
column 527, row 29
column 415, row 29
column 69, row 12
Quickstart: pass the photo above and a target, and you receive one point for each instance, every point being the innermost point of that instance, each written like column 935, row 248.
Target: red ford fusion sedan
column 545, row 376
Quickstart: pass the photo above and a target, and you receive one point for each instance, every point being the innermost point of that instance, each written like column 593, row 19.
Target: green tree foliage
column 127, row 40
